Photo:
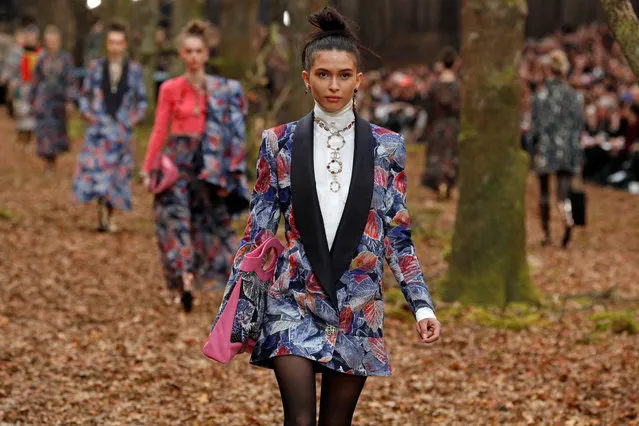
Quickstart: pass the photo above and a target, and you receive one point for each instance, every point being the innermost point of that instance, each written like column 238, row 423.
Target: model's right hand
column 429, row 330
column 146, row 180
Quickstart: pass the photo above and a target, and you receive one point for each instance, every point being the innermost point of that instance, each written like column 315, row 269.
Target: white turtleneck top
column 332, row 203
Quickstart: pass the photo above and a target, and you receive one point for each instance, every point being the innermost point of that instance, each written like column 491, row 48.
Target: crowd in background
column 399, row 100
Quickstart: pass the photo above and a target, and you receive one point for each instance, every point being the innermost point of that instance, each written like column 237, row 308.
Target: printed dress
column 53, row 88
column 105, row 165
column 22, row 81
column 442, row 134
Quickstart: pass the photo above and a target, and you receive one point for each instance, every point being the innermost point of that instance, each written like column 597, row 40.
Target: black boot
column 103, row 220
column 187, row 292
column 567, row 237
column 544, row 213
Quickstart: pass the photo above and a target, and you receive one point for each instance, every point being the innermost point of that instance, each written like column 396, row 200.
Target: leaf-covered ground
column 86, row 338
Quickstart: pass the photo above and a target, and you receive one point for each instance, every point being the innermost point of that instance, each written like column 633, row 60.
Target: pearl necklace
column 335, row 143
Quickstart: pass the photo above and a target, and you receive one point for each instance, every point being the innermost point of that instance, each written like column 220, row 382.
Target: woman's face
column 332, row 79
column 194, row 53
column 52, row 41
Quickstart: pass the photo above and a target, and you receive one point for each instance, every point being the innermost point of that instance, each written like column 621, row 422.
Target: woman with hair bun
column 340, row 183
column 443, row 129
column 199, row 125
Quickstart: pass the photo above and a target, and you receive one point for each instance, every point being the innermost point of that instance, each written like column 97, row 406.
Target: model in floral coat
column 340, row 184
column 199, row 125
column 113, row 100
column 54, row 90
column 328, row 306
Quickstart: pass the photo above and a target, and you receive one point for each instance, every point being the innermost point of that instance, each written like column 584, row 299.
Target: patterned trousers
column 192, row 224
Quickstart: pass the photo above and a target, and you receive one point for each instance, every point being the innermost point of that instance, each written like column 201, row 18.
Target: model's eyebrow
column 344, row 70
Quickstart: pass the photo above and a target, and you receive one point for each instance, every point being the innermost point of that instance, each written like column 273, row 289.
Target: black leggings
column 296, row 379
column 564, row 180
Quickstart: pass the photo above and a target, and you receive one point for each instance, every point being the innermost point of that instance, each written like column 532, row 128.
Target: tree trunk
column 488, row 260
column 238, row 24
column 183, row 12
column 146, row 19
column 299, row 103
column 623, row 22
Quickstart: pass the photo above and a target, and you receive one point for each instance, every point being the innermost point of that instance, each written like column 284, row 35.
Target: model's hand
column 145, row 179
column 90, row 118
column 428, row 330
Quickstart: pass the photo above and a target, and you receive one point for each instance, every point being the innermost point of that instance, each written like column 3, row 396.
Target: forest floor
column 86, row 338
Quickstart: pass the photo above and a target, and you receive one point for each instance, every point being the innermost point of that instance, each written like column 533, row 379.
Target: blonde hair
column 558, row 62
column 52, row 30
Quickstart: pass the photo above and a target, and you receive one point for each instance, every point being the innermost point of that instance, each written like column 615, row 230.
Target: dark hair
column 449, row 57
column 117, row 26
column 331, row 32
column 27, row 20
column 196, row 28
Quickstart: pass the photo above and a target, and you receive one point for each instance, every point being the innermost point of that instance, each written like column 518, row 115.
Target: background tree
column 623, row 23
column 488, row 260
column 299, row 103
column 239, row 26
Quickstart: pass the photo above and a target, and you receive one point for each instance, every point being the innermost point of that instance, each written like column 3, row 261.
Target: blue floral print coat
column 328, row 305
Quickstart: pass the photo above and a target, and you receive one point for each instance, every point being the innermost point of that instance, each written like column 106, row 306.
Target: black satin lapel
column 106, row 81
column 306, row 208
column 114, row 100
column 123, row 84
column 358, row 204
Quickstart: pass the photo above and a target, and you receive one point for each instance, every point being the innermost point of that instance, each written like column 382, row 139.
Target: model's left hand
column 428, row 330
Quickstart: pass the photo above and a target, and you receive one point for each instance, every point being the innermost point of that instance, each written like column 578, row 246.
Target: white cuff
column 424, row 313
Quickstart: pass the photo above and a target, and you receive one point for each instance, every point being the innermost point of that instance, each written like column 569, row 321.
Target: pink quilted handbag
column 163, row 174
column 236, row 330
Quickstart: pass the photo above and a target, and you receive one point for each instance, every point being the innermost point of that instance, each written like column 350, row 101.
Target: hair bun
column 196, row 28
column 329, row 20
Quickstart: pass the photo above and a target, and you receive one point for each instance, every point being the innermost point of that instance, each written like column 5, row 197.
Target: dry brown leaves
column 85, row 337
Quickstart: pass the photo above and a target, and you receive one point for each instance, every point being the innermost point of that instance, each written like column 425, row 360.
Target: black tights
column 296, row 379
column 564, row 180
column 564, row 183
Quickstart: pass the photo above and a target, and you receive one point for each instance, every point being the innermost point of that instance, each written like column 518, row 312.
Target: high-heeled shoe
column 103, row 220
column 187, row 301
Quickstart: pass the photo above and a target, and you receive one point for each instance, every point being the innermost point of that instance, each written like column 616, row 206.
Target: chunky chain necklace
column 335, row 143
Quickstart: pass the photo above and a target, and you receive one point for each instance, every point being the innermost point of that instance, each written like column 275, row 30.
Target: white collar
column 335, row 120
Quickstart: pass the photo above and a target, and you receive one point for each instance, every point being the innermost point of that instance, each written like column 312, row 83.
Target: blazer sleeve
column 534, row 120
column 70, row 89
column 86, row 92
column 238, row 109
column 163, row 112
column 36, row 81
column 399, row 248
column 264, row 209
column 141, row 101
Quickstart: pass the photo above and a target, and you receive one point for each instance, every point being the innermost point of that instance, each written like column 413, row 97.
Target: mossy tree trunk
column 623, row 22
column 238, row 24
column 146, row 19
column 183, row 12
column 488, row 260
column 299, row 103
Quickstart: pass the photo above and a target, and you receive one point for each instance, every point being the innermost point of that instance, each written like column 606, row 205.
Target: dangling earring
column 307, row 89
column 355, row 100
